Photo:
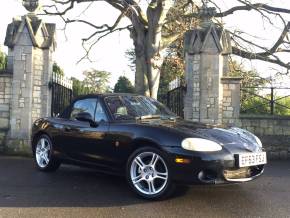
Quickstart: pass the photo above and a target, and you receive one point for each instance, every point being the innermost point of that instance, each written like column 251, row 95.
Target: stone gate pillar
column 31, row 43
column 206, row 56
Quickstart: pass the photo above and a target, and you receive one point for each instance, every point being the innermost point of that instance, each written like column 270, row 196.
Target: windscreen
column 132, row 107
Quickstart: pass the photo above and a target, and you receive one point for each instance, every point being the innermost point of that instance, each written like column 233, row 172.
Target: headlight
column 198, row 144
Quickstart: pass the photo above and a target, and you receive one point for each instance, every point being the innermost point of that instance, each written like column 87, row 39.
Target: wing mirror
column 86, row 117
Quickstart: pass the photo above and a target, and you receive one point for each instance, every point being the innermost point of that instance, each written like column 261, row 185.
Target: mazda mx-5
column 140, row 138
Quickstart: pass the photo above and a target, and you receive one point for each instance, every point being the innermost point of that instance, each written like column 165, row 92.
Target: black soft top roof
column 103, row 95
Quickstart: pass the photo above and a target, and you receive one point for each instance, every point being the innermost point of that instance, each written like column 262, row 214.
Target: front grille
column 241, row 173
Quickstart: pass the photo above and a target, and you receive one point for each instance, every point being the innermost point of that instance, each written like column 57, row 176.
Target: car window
column 118, row 109
column 100, row 113
column 85, row 105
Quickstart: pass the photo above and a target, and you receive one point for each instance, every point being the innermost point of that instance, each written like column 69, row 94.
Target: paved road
column 75, row 192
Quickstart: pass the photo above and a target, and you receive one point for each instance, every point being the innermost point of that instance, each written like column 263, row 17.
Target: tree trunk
column 147, row 41
column 141, row 78
column 154, row 68
column 148, row 63
column 147, row 75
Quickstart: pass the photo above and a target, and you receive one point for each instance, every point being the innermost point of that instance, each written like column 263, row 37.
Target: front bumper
column 215, row 168
column 251, row 173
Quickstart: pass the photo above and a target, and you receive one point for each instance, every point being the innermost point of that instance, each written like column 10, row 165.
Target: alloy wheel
column 42, row 152
column 149, row 173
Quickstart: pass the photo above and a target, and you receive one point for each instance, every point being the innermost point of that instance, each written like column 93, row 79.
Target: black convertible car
column 139, row 137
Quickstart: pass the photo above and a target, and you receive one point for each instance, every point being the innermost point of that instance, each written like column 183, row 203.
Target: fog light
column 182, row 161
column 207, row 176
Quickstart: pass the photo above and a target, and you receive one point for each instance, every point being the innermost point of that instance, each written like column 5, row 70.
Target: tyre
column 43, row 155
column 148, row 174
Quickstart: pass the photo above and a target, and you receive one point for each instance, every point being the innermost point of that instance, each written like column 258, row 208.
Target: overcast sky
column 108, row 54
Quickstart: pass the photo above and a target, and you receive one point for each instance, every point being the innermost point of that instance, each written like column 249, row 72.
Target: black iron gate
column 61, row 94
column 175, row 100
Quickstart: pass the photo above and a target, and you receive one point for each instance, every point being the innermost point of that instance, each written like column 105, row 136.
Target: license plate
column 252, row 159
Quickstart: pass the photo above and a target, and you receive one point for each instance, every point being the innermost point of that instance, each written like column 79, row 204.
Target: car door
column 83, row 141
column 121, row 132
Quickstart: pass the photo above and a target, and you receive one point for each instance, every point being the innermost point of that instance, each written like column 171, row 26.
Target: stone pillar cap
column 195, row 40
column 36, row 27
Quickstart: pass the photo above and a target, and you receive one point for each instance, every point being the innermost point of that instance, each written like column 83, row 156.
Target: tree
column 3, row 60
column 163, row 23
column 172, row 68
column 97, row 81
column 255, row 98
column 79, row 88
column 262, row 106
column 130, row 55
column 250, row 78
column 57, row 69
column 123, row 85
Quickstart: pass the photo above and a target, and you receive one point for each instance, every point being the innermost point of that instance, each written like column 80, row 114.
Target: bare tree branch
column 100, row 29
column 249, row 7
column 268, row 54
column 165, row 22
column 256, row 56
column 168, row 40
column 60, row 13
column 87, row 50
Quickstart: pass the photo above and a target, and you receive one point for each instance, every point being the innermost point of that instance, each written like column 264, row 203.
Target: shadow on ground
column 21, row 185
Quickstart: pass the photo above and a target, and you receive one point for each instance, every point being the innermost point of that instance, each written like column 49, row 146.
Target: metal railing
column 265, row 100
column 175, row 100
column 61, row 88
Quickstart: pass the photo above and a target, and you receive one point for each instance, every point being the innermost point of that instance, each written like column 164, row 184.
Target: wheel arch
column 143, row 142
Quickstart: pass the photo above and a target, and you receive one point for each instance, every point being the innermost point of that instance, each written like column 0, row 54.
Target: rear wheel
column 148, row 174
column 43, row 154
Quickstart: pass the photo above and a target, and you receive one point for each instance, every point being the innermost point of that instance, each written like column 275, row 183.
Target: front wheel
column 148, row 174
column 43, row 154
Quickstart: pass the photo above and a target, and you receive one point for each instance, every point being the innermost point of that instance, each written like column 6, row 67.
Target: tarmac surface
column 79, row 192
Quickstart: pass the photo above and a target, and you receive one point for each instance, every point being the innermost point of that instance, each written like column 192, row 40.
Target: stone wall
column 192, row 98
column 21, row 102
column 231, row 99
column 31, row 43
column 204, row 55
column 5, row 97
column 274, row 133
column 206, row 51
column 210, row 90
column 41, row 93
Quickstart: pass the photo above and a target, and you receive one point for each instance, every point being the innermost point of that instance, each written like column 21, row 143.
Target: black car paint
column 108, row 145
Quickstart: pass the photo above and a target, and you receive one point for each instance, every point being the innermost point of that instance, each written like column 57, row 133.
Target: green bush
column 251, row 104
column 3, row 60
